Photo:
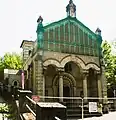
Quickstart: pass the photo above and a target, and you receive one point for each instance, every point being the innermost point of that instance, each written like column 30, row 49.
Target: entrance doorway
column 66, row 91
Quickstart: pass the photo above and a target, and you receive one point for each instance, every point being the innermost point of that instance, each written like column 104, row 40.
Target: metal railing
column 29, row 107
column 77, row 107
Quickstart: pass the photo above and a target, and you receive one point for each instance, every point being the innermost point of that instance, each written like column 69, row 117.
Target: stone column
column 44, row 85
column 99, row 85
column 85, row 75
column 60, row 85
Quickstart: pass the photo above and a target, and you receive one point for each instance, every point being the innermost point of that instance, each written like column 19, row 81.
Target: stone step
column 78, row 114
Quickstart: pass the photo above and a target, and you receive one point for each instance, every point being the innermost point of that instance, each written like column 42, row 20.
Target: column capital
column 98, row 72
column 60, row 71
column 85, row 71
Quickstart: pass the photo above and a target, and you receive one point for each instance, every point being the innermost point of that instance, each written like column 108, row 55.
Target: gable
column 70, row 36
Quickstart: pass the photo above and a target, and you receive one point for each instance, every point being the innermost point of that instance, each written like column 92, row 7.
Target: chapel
column 65, row 60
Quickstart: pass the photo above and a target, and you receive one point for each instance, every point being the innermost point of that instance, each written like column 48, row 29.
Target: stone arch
column 53, row 62
column 77, row 60
column 65, row 75
column 51, row 70
column 71, row 83
column 92, row 65
column 15, row 83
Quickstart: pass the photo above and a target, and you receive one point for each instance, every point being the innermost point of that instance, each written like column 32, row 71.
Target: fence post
column 114, row 99
column 115, row 103
column 82, row 109
column 82, row 105
column 22, row 99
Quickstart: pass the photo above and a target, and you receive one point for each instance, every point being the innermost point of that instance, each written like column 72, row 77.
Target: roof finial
column 40, row 19
column 98, row 31
column 70, row 1
column 71, row 9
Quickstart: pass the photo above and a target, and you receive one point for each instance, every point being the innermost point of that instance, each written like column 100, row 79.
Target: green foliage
column 3, row 107
column 7, row 110
column 12, row 113
column 110, row 63
column 11, row 61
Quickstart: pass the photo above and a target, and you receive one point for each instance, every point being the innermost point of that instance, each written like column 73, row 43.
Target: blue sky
column 18, row 18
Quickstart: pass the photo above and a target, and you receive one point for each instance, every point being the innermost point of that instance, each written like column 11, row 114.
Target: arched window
column 15, row 83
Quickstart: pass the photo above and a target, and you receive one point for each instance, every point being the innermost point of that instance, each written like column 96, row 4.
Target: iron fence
column 76, row 107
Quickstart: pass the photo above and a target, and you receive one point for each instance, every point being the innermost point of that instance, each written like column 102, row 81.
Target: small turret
column 98, row 31
column 40, row 32
column 40, row 25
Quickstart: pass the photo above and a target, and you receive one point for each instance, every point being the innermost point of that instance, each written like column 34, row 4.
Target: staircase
column 74, row 110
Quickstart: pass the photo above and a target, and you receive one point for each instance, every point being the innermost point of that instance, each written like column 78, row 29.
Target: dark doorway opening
column 15, row 83
column 66, row 91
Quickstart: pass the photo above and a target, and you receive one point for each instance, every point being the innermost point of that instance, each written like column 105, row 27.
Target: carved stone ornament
column 84, row 71
column 60, row 70
column 98, row 72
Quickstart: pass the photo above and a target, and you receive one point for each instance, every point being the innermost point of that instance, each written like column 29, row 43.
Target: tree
column 110, row 64
column 11, row 61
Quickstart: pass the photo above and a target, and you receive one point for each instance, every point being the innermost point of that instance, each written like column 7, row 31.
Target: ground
column 110, row 116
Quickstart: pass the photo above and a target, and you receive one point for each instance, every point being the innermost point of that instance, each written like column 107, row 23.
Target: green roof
column 68, row 19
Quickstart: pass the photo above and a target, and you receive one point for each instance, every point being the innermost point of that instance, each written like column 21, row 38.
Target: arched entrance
column 92, row 83
column 66, row 91
column 49, row 74
column 74, row 70
column 68, row 85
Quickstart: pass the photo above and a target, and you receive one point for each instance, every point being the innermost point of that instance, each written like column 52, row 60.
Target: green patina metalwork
column 99, row 38
column 74, row 19
column 69, row 35
column 40, row 35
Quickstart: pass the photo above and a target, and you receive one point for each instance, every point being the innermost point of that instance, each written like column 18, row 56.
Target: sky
column 18, row 19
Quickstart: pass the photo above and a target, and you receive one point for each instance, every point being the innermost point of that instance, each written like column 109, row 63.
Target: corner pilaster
column 39, row 77
column 104, row 85
column 99, row 86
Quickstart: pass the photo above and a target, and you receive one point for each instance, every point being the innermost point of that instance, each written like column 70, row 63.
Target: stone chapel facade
column 65, row 60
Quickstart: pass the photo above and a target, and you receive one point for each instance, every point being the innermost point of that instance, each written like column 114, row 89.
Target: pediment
column 69, row 35
column 72, row 21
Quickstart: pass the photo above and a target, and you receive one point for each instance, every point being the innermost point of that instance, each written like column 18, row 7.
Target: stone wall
column 60, row 59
